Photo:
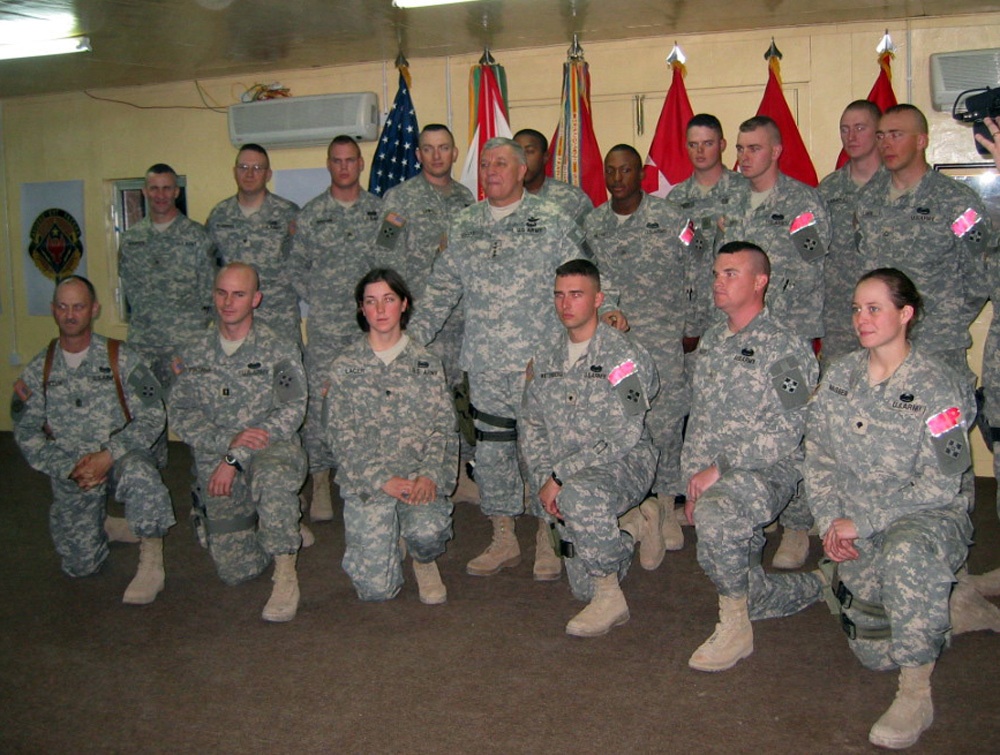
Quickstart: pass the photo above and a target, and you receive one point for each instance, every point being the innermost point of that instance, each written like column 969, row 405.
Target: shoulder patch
column 144, row 383
column 288, row 382
column 789, row 383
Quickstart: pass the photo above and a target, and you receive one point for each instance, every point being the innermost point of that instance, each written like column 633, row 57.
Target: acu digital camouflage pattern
column 641, row 262
column 263, row 240
column 871, row 458
column 705, row 210
column 386, row 421
column 914, row 234
column 332, row 249
column 591, row 434
column 747, row 417
column 795, row 295
column 425, row 213
column 843, row 264
column 262, row 385
column 83, row 415
column 572, row 199
column 166, row 279
column 991, row 354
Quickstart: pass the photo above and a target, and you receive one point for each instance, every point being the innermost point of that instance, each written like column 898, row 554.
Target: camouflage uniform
column 795, row 295
column 262, row 385
column 871, row 458
column 332, row 249
column 166, row 278
column 747, row 418
column 263, row 240
column 572, row 199
column 843, row 264
column 82, row 414
column 408, row 402
column 991, row 365
column 502, row 272
column 425, row 212
column 914, row 234
column 705, row 210
column 590, row 433
column 641, row 261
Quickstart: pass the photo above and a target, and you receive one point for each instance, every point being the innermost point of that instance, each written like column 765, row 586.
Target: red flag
column 881, row 93
column 667, row 163
column 487, row 118
column 795, row 161
column 574, row 156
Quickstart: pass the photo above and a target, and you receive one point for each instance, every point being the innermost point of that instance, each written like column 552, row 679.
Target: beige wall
column 73, row 136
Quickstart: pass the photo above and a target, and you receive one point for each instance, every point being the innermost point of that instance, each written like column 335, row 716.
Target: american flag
column 396, row 159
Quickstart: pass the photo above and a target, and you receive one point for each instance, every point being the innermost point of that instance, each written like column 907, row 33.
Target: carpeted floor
column 490, row 671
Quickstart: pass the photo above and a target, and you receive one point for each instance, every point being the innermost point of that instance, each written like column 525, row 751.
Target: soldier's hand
column 220, row 484
column 838, row 542
column 616, row 320
column 399, row 488
column 252, row 437
column 697, row 485
column 92, row 469
column 993, row 143
column 547, row 496
column 424, row 491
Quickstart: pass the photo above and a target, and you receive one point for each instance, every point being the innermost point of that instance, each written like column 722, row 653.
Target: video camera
column 978, row 104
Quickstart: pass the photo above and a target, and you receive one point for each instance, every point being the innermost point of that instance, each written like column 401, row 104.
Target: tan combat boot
column 284, row 600
column 673, row 535
column 970, row 611
column 607, row 610
column 793, row 551
column 429, row 584
column 322, row 502
column 308, row 538
column 117, row 530
column 149, row 577
column 910, row 713
column 503, row 551
column 644, row 523
column 732, row 640
column 987, row 584
column 548, row 566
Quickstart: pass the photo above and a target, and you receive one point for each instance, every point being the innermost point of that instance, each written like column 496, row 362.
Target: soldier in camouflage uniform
column 641, row 259
column 743, row 451
column 165, row 264
column 499, row 262
column 706, row 198
column 585, row 443
column 790, row 221
column 238, row 402
column 571, row 199
column 87, row 417
column 421, row 209
column 255, row 227
column 840, row 190
column 333, row 246
column 387, row 386
column 886, row 446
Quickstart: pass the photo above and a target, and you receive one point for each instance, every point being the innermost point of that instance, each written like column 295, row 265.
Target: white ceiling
column 139, row 42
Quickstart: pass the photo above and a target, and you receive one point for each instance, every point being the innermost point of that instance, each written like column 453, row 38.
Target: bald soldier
column 87, row 412
column 238, row 402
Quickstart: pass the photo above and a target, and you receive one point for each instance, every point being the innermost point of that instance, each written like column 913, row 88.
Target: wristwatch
column 233, row 462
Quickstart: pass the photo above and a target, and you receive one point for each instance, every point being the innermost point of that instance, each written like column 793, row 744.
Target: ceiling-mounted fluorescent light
column 35, row 48
column 425, row 3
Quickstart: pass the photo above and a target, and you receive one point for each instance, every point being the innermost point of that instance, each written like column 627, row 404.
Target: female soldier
column 391, row 425
column 886, row 446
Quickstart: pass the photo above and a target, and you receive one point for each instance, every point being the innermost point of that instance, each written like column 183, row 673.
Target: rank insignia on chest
column 225, row 392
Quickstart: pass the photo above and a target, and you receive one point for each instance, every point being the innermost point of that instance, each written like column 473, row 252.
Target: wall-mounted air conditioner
column 954, row 72
column 304, row 121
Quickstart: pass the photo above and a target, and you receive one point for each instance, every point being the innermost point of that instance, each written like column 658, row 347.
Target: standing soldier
column 333, row 246
column 585, row 443
column 238, row 402
column 571, row 199
column 841, row 190
column 499, row 262
column 640, row 244
column 87, row 412
column 255, row 227
column 165, row 264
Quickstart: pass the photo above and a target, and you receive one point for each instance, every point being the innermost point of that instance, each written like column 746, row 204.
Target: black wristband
column 558, row 481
